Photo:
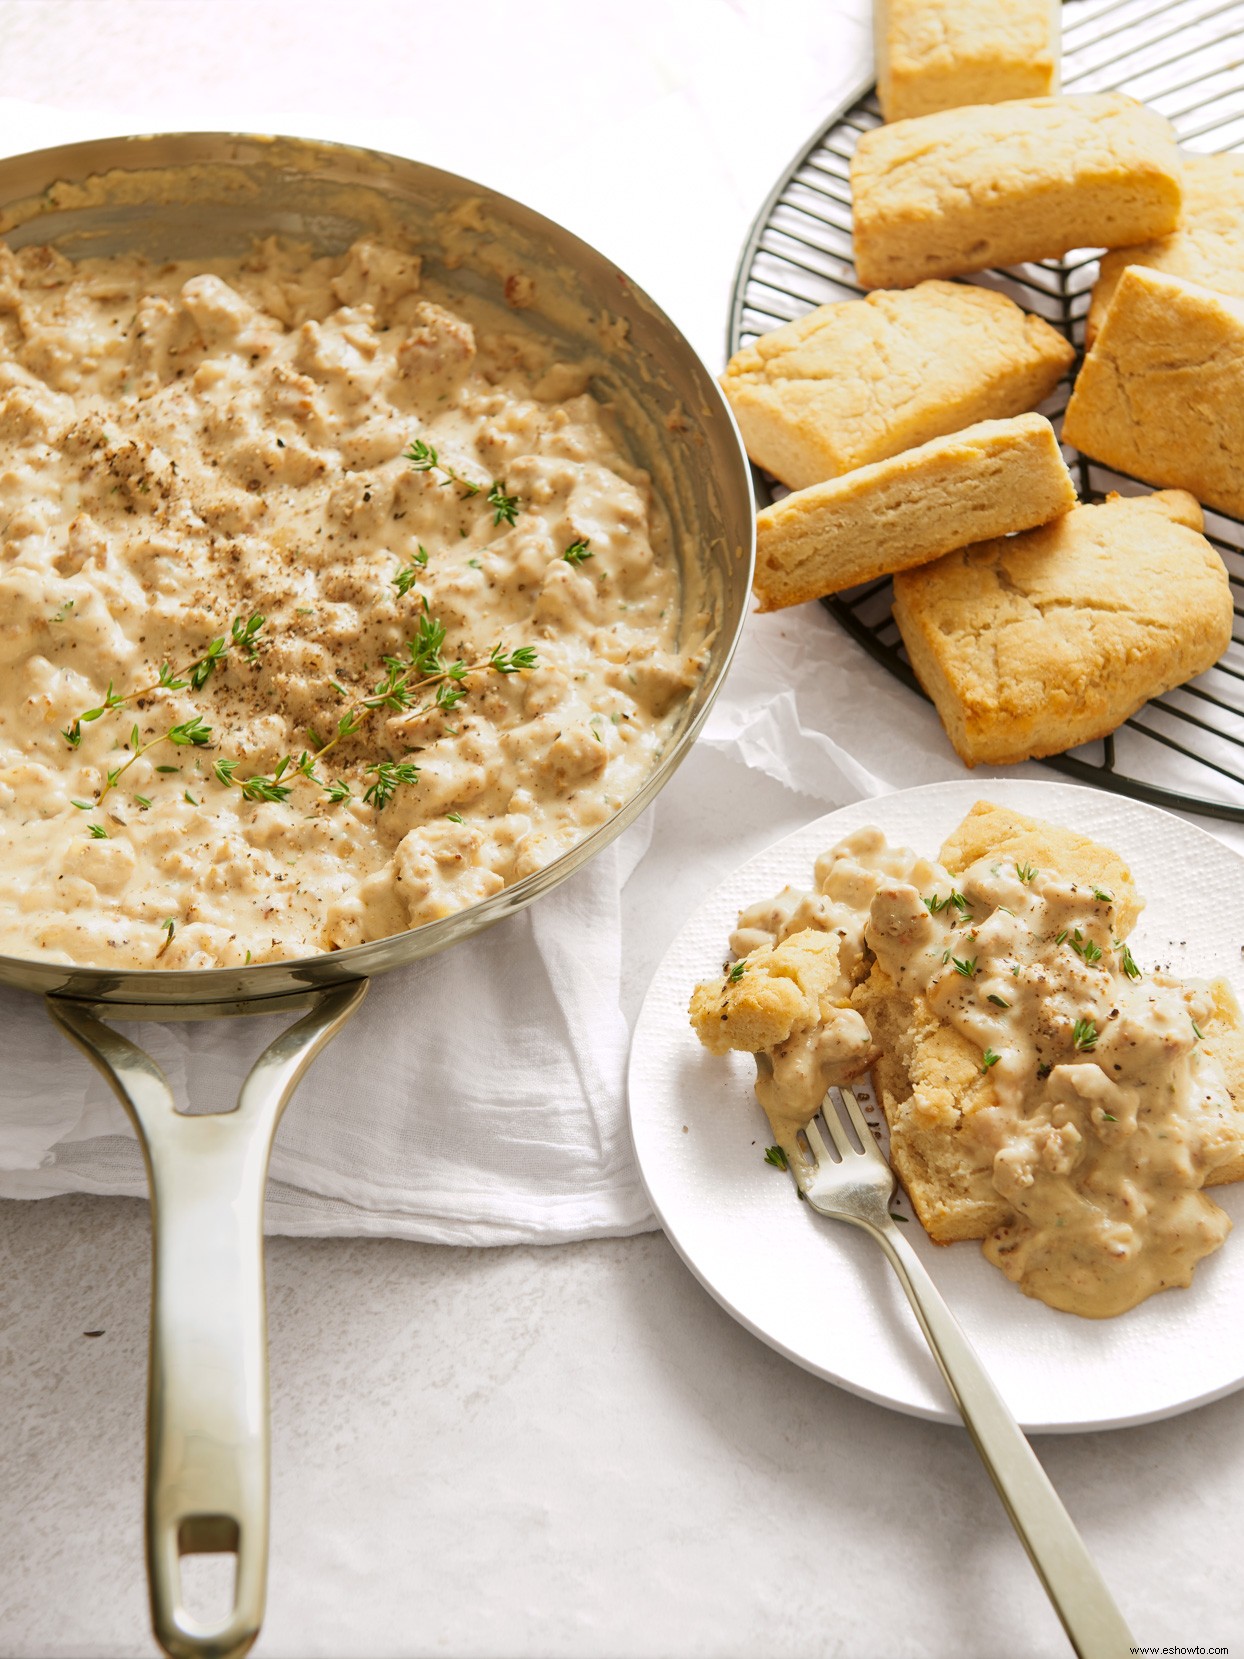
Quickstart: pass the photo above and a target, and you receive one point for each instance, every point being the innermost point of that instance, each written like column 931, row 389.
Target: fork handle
column 1074, row 1585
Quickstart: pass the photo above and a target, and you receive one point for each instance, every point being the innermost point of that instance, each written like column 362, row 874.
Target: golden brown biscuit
column 998, row 184
column 1032, row 644
column 1161, row 394
column 988, row 480
column 940, row 54
column 758, row 1003
column 1208, row 247
column 857, row 382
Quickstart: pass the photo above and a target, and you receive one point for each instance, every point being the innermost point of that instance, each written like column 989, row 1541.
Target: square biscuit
column 941, row 54
column 998, row 184
column 862, row 380
column 1208, row 247
column 1032, row 644
column 988, row 480
column 1161, row 394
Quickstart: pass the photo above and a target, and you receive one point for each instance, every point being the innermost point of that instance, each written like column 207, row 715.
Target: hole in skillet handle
column 207, row 1549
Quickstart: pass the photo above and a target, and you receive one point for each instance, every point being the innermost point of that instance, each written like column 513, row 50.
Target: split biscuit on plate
column 860, row 381
column 940, row 54
column 1161, row 394
column 1032, row 644
column 929, row 1077
column 998, row 184
column 1208, row 247
column 988, row 480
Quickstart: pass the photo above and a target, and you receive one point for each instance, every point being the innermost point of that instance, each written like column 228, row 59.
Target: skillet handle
column 207, row 1400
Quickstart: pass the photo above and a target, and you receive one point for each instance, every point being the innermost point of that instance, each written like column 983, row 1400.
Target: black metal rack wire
column 1183, row 58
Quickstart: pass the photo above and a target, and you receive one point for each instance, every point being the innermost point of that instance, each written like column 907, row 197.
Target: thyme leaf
column 422, row 457
column 389, row 775
column 1084, row 1035
column 260, row 788
column 505, row 507
column 1085, row 948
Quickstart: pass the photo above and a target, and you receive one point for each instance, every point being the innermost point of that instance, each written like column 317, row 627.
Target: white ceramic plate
column 819, row 1291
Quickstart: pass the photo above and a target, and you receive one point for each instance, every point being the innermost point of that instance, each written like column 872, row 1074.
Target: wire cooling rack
column 1182, row 58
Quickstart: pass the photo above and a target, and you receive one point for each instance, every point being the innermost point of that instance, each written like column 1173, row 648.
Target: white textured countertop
column 570, row 1451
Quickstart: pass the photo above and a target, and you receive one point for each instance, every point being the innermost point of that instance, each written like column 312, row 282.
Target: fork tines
column 841, row 1102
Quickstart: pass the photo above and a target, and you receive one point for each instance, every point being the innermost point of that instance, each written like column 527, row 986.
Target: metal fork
column 855, row 1183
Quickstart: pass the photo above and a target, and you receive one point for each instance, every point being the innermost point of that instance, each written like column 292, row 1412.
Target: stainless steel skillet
column 209, row 194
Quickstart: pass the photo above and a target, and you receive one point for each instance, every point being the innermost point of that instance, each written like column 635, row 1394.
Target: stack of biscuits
column 903, row 424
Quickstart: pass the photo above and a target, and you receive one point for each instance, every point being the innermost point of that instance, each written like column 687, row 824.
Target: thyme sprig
column 388, row 774
column 406, row 680
column 424, row 458
column 242, row 636
column 190, row 733
column 408, row 575
column 504, row 507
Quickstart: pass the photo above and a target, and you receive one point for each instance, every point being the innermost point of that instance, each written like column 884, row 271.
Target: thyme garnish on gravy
column 1084, row 1035
column 403, row 685
column 242, row 634
column 423, row 458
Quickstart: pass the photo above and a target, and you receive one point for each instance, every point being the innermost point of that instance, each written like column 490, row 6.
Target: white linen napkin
column 473, row 1099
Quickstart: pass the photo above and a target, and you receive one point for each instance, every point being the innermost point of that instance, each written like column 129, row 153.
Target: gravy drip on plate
column 185, row 445
column 1106, row 1108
